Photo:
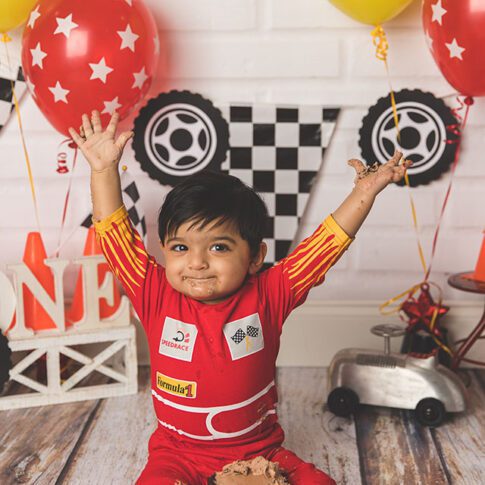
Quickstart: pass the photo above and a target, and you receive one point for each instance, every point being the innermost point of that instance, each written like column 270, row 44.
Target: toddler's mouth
column 206, row 285
column 193, row 278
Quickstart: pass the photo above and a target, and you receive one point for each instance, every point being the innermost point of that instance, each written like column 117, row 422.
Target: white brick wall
column 290, row 52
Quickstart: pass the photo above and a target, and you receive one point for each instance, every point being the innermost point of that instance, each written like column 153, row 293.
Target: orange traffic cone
column 479, row 273
column 36, row 317
column 76, row 310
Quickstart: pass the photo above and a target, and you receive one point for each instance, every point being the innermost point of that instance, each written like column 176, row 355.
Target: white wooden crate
column 122, row 369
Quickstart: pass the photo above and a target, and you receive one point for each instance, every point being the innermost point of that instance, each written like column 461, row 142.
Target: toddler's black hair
column 208, row 196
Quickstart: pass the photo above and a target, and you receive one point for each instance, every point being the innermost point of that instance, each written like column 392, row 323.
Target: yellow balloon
column 14, row 13
column 373, row 12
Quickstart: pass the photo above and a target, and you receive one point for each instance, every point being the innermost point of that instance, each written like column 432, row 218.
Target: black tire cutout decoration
column 177, row 134
column 425, row 125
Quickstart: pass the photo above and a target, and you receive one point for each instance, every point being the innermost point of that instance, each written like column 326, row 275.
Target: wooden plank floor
column 104, row 442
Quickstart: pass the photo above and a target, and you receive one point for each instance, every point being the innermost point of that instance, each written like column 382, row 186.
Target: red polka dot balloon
column 83, row 55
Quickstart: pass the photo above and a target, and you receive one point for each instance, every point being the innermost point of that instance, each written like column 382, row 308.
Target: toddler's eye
column 219, row 247
column 179, row 247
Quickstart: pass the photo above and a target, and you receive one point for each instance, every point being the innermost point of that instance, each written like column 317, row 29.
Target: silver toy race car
column 406, row 381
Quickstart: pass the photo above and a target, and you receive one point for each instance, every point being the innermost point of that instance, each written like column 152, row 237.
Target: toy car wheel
column 430, row 412
column 343, row 401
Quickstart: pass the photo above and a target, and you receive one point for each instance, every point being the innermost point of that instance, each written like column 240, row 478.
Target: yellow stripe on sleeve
column 122, row 239
column 303, row 263
column 120, row 264
column 308, row 264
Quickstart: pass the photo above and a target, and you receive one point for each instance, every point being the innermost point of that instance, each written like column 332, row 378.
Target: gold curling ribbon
column 5, row 39
column 415, row 224
column 410, row 292
column 379, row 40
column 433, row 323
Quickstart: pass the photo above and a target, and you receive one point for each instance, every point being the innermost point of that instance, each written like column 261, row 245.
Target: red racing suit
column 213, row 366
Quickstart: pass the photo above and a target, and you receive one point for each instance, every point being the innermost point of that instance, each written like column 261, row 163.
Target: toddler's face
column 209, row 264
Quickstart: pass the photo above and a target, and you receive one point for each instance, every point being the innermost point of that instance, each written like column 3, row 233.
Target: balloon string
column 379, row 40
column 409, row 292
column 63, row 169
column 434, row 319
column 456, row 129
column 5, row 39
column 415, row 223
column 73, row 231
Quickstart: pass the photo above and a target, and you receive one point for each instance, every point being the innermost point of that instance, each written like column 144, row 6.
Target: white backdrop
column 280, row 51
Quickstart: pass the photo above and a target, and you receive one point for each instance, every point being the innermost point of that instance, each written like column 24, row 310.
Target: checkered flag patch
column 239, row 336
column 131, row 199
column 238, row 331
column 252, row 331
column 7, row 104
column 278, row 151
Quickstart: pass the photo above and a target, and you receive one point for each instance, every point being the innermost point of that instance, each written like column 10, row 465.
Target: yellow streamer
column 5, row 39
column 415, row 224
column 432, row 325
column 410, row 292
column 379, row 40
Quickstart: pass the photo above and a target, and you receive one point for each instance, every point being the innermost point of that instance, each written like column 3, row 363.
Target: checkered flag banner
column 131, row 199
column 278, row 151
column 7, row 104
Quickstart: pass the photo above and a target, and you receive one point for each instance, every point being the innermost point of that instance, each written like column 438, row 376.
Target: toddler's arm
column 368, row 183
column 287, row 284
column 124, row 250
column 103, row 154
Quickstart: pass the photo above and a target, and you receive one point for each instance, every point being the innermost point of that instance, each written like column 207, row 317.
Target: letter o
column 8, row 302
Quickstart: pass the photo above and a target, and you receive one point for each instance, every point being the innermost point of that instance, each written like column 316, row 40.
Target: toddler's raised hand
column 99, row 147
column 373, row 179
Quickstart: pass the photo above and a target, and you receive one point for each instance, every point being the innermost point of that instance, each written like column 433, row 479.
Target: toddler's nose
column 197, row 262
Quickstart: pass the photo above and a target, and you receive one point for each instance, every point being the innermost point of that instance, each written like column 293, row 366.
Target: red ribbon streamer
column 456, row 129
column 62, row 168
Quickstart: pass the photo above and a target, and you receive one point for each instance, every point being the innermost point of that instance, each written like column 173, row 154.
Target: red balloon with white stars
column 455, row 30
column 83, row 55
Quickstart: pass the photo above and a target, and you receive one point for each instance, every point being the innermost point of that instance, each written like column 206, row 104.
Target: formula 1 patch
column 176, row 387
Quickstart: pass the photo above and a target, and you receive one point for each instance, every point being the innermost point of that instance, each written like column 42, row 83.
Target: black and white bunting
column 131, row 199
column 278, row 151
column 8, row 78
